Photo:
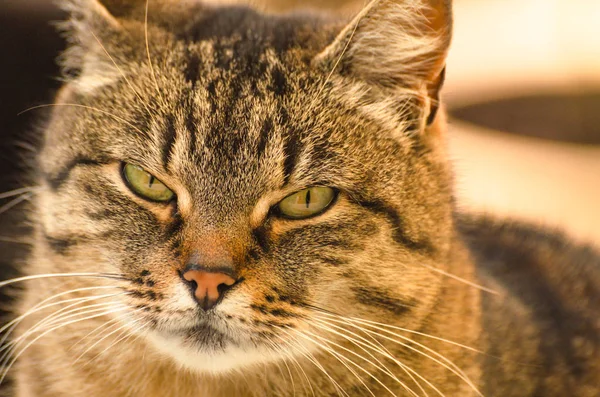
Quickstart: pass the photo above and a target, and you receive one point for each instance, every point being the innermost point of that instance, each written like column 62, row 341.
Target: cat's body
column 230, row 113
column 541, row 332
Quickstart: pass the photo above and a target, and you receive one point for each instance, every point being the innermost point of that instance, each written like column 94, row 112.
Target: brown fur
column 236, row 111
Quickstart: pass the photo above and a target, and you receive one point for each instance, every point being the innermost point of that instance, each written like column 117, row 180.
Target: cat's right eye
column 145, row 184
column 307, row 203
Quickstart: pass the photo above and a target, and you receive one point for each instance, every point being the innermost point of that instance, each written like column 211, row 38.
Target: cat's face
column 237, row 112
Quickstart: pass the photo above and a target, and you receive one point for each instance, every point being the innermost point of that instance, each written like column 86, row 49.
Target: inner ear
column 433, row 91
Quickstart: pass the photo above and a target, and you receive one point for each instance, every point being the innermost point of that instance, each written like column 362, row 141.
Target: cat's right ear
column 394, row 47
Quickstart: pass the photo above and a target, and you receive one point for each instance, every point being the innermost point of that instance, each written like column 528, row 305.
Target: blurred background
column 523, row 94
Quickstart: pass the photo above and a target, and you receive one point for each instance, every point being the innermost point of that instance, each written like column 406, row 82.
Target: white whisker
column 342, row 359
column 16, row 357
column 380, row 365
column 460, row 279
column 148, row 51
column 18, row 191
column 361, row 320
column 12, row 203
column 123, row 329
column 51, row 275
column 14, row 240
column 277, row 349
column 379, row 348
column 122, row 74
column 84, row 107
column 58, row 316
column 448, row 363
column 10, row 326
column 310, row 357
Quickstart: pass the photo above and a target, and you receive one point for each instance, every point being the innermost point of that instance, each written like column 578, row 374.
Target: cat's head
column 250, row 176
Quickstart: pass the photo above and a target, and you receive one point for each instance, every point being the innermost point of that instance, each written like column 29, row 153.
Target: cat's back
column 542, row 330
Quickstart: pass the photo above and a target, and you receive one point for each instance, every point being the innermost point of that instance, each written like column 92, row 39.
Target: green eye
column 306, row 203
column 145, row 184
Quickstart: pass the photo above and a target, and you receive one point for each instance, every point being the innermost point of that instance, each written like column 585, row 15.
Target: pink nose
column 208, row 287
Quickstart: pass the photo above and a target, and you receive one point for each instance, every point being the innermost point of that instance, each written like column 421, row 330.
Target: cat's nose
column 208, row 287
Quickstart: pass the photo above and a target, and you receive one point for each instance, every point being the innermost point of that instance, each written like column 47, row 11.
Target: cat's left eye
column 145, row 184
column 306, row 203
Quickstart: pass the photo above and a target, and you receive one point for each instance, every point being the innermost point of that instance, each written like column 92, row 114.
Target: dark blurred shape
column 566, row 117
column 28, row 77
column 28, row 74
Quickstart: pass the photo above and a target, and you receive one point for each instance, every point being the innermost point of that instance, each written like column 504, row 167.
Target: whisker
column 9, row 327
column 460, row 279
column 104, row 327
column 47, row 322
column 379, row 365
column 84, row 107
column 25, row 146
column 450, row 365
column 299, row 367
column 122, row 74
column 7, row 368
column 15, row 201
column 51, row 275
column 18, row 191
column 310, row 357
column 374, row 323
column 13, row 240
column 337, row 62
column 379, row 348
column 99, row 329
column 408, row 370
column 278, row 349
column 148, row 51
column 342, row 359
column 127, row 336
column 356, row 319
column 58, row 316
column 122, row 328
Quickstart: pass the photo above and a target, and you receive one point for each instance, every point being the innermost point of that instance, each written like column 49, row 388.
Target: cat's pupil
column 151, row 181
column 307, row 198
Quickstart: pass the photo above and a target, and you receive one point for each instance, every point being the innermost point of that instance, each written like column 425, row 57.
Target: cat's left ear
column 395, row 46
column 102, row 33
column 84, row 62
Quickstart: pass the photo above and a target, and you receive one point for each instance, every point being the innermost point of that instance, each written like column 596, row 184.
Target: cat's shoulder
column 516, row 252
column 543, row 325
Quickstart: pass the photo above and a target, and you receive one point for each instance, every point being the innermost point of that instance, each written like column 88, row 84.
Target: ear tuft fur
column 396, row 48
column 393, row 43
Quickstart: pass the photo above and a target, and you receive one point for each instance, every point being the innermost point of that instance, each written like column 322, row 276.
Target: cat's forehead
column 232, row 106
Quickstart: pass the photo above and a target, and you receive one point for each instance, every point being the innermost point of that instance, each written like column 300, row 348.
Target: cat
column 240, row 204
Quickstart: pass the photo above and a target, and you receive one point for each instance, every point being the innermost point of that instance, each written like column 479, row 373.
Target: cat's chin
column 209, row 351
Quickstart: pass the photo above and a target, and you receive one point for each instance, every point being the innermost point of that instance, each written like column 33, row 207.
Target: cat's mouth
column 205, row 335
column 208, row 346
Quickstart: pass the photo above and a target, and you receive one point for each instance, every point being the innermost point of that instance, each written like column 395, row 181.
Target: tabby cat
column 233, row 203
